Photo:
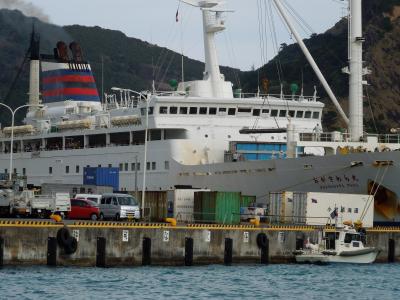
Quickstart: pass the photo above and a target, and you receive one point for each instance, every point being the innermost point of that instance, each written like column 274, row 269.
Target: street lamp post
column 13, row 112
column 145, row 156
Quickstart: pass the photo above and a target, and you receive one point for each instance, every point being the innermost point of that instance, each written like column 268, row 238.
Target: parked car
column 84, row 209
column 119, row 206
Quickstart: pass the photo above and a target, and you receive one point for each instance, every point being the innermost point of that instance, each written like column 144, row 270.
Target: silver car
column 119, row 206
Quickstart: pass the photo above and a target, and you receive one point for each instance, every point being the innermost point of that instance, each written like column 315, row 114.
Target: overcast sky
column 154, row 21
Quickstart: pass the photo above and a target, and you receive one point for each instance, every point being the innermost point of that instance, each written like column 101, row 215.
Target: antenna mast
column 356, row 70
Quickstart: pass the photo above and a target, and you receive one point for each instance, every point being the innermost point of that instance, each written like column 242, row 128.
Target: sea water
column 378, row 281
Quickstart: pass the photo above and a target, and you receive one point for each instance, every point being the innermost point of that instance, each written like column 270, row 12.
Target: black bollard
column 391, row 251
column 52, row 251
column 1, row 252
column 188, row 252
column 228, row 251
column 299, row 244
column 146, row 251
column 101, row 252
column 265, row 251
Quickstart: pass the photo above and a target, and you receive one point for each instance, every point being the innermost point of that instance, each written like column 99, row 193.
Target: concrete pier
column 123, row 244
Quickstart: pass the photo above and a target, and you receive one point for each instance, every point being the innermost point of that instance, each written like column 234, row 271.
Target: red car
column 84, row 209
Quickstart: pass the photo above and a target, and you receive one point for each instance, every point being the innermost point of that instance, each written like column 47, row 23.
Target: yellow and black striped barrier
column 139, row 225
column 30, row 223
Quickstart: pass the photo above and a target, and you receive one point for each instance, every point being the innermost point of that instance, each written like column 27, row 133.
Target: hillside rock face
column 383, row 58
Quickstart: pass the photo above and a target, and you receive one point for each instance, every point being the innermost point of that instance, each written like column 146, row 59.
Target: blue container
column 102, row 177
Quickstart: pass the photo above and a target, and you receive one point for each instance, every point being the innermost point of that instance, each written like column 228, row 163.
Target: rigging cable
column 371, row 111
column 376, row 191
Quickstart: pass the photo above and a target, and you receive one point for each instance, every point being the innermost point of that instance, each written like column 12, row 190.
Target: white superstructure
column 200, row 135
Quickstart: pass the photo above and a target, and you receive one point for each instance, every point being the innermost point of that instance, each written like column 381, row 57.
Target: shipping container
column 102, row 177
column 280, row 207
column 181, row 204
column 217, row 207
column 155, row 204
column 247, row 201
column 318, row 208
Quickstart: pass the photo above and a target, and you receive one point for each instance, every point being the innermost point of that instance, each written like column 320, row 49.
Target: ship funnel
column 76, row 52
column 62, row 51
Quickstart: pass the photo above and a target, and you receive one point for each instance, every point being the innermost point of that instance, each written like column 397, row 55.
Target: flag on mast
column 177, row 12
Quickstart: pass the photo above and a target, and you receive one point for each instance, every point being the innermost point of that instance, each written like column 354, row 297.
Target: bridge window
column 274, row 113
column 173, row 110
column 282, row 113
column 315, row 115
column 212, row 110
column 291, row 113
column 222, row 109
column 183, row 110
column 203, row 110
column 231, row 111
column 265, row 111
column 299, row 114
column 256, row 112
column 163, row 110
column 244, row 110
column 307, row 115
column 193, row 111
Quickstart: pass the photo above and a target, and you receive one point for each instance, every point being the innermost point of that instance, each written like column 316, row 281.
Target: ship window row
column 92, row 141
column 123, row 167
column 231, row 111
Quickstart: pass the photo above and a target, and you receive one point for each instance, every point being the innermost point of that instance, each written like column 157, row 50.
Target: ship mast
column 212, row 24
column 356, row 70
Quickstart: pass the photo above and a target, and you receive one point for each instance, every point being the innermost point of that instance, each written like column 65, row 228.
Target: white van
column 119, row 206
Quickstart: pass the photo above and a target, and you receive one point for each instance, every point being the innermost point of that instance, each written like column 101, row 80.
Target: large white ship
column 202, row 135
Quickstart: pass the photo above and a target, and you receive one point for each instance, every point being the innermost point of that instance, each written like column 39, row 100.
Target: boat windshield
column 351, row 237
column 127, row 201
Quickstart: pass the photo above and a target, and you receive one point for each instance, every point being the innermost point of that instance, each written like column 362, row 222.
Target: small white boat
column 343, row 245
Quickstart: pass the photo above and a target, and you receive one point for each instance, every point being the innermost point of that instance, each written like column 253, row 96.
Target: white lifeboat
column 77, row 124
column 126, row 120
column 24, row 129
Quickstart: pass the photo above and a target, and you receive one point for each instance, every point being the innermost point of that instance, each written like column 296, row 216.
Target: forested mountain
column 134, row 64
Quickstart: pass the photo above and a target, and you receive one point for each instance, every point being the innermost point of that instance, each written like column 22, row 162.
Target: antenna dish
column 204, row 3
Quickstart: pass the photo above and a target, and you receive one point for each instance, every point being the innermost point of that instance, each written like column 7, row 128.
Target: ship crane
column 355, row 69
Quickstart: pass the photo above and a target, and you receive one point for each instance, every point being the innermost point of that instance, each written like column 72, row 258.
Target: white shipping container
column 316, row 208
column 183, row 203
column 281, row 207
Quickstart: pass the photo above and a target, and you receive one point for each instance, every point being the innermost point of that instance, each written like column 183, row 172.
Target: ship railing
column 334, row 136
column 388, row 138
column 298, row 98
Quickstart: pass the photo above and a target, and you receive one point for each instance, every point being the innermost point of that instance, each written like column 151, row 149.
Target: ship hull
column 354, row 173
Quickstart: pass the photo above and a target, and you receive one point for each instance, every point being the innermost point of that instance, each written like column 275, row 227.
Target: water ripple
column 212, row 282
